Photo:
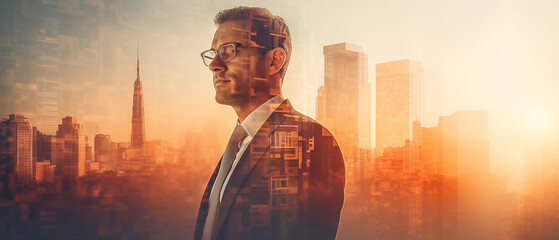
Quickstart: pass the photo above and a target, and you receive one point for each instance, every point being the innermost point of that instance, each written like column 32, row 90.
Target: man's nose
column 217, row 65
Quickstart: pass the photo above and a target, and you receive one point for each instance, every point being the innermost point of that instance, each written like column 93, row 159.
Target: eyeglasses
column 227, row 53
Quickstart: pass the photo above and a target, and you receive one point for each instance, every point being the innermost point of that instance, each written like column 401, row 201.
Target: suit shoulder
column 304, row 119
column 315, row 127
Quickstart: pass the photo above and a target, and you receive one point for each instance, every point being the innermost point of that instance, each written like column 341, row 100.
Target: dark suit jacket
column 289, row 183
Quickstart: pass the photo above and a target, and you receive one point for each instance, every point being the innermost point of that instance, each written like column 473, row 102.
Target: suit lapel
column 251, row 157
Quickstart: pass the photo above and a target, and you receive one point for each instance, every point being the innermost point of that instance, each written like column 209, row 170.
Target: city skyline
column 544, row 113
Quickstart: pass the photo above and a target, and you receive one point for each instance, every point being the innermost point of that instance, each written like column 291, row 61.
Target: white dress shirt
column 252, row 124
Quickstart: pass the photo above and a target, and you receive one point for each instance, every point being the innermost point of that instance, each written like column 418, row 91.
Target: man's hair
column 270, row 31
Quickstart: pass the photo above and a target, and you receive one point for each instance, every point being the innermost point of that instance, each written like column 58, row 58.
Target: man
column 282, row 174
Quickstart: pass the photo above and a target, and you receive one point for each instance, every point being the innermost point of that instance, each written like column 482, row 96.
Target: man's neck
column 243, row 110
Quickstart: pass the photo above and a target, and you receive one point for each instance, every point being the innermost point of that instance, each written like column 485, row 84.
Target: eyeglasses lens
column 208, row 56
column 227, row 52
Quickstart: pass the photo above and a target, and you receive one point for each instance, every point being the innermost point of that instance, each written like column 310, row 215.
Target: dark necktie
column 226, row 162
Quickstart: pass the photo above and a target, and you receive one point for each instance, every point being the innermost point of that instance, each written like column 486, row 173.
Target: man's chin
column 223, row 101
column 231, row 100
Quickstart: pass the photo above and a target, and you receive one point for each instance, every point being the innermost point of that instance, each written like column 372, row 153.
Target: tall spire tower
column 138, row 123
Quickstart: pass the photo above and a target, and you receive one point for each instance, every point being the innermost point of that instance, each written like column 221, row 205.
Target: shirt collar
column 254, row 121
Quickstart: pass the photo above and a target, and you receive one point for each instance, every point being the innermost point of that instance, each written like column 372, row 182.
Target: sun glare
column 538, row 118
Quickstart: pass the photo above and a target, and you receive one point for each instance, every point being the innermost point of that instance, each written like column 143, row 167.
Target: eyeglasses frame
column 218, row 53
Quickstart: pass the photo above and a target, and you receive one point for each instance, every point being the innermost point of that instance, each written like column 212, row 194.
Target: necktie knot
column 238, row 135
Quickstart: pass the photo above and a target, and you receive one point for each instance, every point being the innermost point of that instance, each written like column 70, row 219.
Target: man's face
column 233, row 80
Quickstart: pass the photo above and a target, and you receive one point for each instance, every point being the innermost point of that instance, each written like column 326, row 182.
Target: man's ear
column 278, row 57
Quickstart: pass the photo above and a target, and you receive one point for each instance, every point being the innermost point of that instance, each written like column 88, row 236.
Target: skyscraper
column 465, row 144
column 138, row 122
column 397, row 102
column 465, row 154
column 69, row 148
column 343, row 103
column 458, row 148
column 16, row 140
column 105, row 152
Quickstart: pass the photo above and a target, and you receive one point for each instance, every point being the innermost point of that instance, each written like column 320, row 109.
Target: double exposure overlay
column 383, row 120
